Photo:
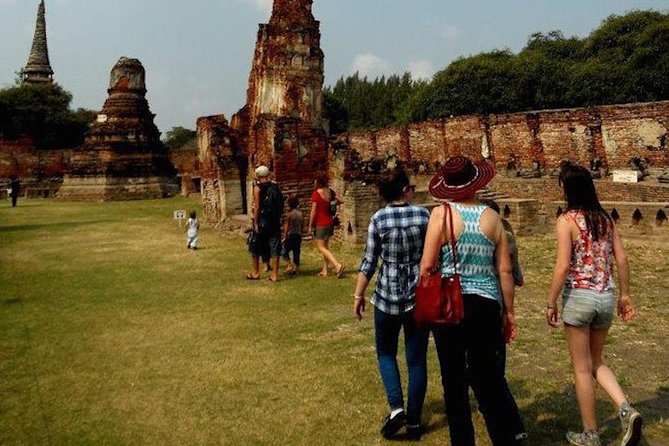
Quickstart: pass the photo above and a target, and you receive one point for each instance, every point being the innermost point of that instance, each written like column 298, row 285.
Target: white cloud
column 450, row 33
column 421, row 69
column 370, row 65
column 264, row 6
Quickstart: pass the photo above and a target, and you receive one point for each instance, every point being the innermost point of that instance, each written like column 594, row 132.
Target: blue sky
column 197, row 53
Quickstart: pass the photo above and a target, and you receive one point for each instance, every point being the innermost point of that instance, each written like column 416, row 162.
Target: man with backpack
column 265, row 240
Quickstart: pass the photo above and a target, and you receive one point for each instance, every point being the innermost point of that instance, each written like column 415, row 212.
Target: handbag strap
column 449, row 210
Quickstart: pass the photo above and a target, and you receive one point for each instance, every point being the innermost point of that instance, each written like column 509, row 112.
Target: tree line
column 624, row 60
column 43, row 112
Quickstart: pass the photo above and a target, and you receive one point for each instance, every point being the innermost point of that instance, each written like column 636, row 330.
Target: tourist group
column 464, row 237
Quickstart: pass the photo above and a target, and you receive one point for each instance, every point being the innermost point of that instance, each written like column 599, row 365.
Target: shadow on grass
column 55, row 226
column 549, row 416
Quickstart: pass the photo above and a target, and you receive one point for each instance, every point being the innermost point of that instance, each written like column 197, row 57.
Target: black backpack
column 271, row 207
column 333, row 203
column 332, row 208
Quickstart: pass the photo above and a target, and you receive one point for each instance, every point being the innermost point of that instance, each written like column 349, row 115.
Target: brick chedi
column 281, row 124
column 38, row 70
column 122, row 157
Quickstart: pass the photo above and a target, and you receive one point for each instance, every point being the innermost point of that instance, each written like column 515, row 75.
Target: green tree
column 369, row 104
column 42, row 111
column 335, row 113
column 486, row 83
column 179, row 137
column 626, row 59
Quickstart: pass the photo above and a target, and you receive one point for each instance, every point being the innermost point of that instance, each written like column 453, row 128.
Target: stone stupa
column 38, row 69
column 122, row 157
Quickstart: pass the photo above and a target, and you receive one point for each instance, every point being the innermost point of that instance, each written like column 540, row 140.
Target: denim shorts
column 588, row 308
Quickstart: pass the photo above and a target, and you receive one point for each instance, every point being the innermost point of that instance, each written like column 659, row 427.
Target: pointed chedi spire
column 38, row 69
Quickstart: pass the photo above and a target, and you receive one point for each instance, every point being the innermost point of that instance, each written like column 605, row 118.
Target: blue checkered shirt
column 396, row 234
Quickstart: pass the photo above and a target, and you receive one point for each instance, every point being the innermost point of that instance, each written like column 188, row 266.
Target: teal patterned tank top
column 476, row 261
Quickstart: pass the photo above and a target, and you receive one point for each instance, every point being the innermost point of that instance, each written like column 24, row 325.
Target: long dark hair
column 580, row 194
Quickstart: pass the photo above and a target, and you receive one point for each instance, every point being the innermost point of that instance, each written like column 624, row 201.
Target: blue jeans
column 387, row 329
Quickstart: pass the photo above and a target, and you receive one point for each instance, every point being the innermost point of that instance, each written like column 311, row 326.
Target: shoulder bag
column 439, row 298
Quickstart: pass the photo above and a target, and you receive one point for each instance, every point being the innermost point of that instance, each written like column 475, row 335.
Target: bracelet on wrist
column 357, row 297
column 551, row 306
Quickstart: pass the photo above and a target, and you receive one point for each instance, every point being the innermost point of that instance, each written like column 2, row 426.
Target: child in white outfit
column 192, row 230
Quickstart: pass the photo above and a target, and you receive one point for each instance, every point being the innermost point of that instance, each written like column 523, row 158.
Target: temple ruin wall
column 614, row 134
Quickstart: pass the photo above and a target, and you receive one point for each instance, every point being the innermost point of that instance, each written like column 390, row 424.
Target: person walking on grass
column 520, row 433
column 14, row 189
column 587, row 245
column 292, row 236
column 321, row 223
column 468, row 352
column 395, row 236
column 192, row 231
column 265, row 239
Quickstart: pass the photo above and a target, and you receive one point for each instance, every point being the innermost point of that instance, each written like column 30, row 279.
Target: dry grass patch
column 114, row 333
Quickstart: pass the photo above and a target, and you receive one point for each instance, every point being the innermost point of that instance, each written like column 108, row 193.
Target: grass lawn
column 112, row 333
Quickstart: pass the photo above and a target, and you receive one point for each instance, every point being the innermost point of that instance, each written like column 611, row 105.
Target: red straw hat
column 460, row 178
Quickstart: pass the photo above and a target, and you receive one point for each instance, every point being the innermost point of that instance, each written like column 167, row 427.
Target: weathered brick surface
column 613, row 134
column 122, row 157
column 280, row 126
column 222, row 169
column 186, row 162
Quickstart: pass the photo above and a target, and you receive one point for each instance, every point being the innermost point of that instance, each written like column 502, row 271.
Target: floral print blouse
column 591, row 265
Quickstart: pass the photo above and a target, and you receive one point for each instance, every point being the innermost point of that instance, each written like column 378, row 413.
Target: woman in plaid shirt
column 395, row 235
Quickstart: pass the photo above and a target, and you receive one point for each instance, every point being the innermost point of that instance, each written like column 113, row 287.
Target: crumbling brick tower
column 281, row 124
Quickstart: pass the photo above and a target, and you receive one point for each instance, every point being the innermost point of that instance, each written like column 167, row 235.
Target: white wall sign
column 625, row 176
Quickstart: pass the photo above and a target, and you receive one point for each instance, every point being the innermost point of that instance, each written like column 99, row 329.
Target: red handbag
column 439, row 298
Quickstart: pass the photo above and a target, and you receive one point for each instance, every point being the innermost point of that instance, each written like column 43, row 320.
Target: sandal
column 340, row 273
column 250, row 276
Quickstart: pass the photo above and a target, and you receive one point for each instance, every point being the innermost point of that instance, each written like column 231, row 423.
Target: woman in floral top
column 588, row 243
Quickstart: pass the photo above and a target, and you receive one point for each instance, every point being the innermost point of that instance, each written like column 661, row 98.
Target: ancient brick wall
column 217, row 156
column 185, row 160
column 547, row 190
column 361, row 201
column 635, row 130
column 612, row 133
column 40, row 171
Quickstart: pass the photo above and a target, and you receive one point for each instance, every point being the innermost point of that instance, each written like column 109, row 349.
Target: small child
column 192, row 230
column 292, row 236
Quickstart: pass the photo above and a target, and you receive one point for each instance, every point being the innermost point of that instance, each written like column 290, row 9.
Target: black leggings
column 469, row 354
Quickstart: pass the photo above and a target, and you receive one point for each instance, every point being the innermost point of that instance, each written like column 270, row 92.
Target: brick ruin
column 122, row 157
column 527, row 149
column 281, row 125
